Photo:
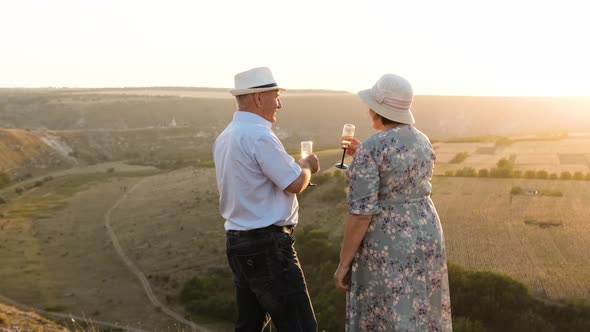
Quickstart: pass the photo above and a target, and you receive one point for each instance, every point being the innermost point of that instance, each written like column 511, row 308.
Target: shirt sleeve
column 363, row 184
column 275, row 162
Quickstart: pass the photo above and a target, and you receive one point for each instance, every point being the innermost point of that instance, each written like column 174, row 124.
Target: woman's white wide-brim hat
column 254, row 80
column 391, row 97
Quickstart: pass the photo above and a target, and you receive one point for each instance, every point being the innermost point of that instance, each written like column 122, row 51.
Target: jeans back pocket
column 255, row 265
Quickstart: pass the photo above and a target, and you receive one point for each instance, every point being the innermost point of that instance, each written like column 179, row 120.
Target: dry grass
column 66, row 260
column 18, row 146
column 553, row 156
column 486, row 229
column 12, row 319
column 171, row 228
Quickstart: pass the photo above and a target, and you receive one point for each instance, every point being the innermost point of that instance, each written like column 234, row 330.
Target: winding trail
column 144, row 281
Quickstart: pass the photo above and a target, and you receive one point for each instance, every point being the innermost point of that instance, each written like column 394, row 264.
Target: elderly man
column 257, row 182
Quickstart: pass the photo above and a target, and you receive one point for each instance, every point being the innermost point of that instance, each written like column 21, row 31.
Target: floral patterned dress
column 399, row 274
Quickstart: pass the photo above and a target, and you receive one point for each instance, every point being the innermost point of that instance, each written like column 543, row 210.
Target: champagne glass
column 306, row 150
column 347, row 135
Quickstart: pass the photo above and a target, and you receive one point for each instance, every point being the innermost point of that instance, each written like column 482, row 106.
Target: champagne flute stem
column 343, row 154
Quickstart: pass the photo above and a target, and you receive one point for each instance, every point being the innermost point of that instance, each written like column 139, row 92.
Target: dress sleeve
column 275, row 162
column 363, row 184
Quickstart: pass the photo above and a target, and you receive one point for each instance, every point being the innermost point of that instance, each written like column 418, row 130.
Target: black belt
column 268, row 229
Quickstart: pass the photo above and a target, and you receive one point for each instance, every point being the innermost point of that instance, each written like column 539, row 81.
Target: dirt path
column 145, row 283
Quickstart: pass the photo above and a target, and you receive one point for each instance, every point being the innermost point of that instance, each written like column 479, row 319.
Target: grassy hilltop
column 72, row 157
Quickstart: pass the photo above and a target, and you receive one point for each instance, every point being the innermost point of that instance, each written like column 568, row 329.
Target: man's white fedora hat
column 254, row 80
column 391, row 97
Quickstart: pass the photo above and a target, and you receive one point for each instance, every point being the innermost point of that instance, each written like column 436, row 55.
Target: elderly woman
column 393, row 261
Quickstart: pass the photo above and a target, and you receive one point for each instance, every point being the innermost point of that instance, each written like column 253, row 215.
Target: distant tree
column 504, row 168
column 530, row 174
column 466, row 172
column 483, row 173
column 503, row 142
column 578, row 176
column 587, row 176
column 494, row 172
column 505, row 164
column 565, row 175
column 553, row 176
column 542, row 174
column 517, row 173
column 459, row 158
column 449, row 173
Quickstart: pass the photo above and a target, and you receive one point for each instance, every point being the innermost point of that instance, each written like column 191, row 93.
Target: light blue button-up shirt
column 253, row 169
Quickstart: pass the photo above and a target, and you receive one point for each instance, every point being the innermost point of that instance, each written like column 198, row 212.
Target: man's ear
column 257, row 97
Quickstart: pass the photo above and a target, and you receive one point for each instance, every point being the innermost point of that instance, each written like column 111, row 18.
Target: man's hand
column 311, row 162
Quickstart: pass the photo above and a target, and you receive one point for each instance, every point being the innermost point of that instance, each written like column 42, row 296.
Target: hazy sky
column 443, row 47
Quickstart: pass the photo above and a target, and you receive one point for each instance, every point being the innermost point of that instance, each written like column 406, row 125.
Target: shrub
column 211, row 294
column 516, row 191
column 449, row 173
column 578, row 176
column 491, row 298
column 2, row 200
column 19, row 190
column 483, row 173
column 587, row 176
column 111, row 170
column 552, row 192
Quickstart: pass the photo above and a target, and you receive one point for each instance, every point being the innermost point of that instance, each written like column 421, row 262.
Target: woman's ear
column 376, row 116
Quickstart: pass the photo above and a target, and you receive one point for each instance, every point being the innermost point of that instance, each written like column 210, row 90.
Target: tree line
column 505, row 169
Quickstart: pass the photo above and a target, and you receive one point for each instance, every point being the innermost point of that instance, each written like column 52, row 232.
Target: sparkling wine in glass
column 347, row 135
column 306, row 150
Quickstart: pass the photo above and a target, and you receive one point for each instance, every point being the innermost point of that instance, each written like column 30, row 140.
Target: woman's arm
column 354, row 232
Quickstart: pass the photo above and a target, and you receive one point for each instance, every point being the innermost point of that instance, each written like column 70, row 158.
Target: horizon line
column 286, row 91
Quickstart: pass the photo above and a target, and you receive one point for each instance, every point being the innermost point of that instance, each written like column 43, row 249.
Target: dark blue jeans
column 269, row 281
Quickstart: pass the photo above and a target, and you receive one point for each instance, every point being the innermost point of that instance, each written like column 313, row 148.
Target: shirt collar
column 249, row 117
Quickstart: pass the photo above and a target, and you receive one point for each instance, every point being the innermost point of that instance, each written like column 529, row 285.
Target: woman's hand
column 342, row 277
column 351, row 146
